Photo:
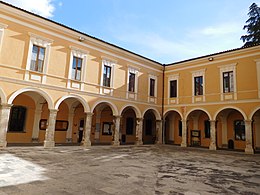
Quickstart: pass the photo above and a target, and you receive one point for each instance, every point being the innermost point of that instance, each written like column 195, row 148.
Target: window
column 180, row 128
column 198, row 85
column 37, row 60
column 152, row 87
column 173, row 88
column 76, row 68
column 207, row 128
column 106, row 76
column 17, row 119
column 129, row 126
column 228, row 82
column 132, row 83
column 148, row 126
column 107, row 128
column 131, row 86
column 239, row 127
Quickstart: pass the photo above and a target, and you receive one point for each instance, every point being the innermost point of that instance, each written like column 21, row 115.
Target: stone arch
column 199, row 109
column 253, row 112
column 79, row 98
column 172, row 133
column 230, row 107
column 135, row 108
column 174, row 110
column 155, row 112
column 110, row 104
column 3, row 96
column 31, row 89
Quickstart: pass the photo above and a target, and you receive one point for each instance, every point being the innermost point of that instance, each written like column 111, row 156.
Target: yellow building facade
column 59, row 85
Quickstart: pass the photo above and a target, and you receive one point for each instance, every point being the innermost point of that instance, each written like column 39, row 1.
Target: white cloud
column 221, row 29
column 44, row 8
column 158, row 47
column 190, row 44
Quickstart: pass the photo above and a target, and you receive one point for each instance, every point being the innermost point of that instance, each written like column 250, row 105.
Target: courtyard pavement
column 124, row 170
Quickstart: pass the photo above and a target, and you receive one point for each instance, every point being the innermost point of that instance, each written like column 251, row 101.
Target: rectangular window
column 76, row 68
column 17, row 119
column 129, row 126
column 131, row 86
column 107, row 128
column 207, row 128
column 37, row 60
column 180, row 128
column 198, row 85
column 173, row 88
column 228, row 82
column 106, row 76
column 152, row 87
column 239, row 127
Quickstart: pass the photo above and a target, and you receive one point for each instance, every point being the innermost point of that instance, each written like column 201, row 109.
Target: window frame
column 198, row 97
column 24, row 117
column 74, row 77
column 79, row 53
column 37, row 58
column 40, row 42
column 132, row 94
column 230, row 95
column 106, row 78
column 198, row 85
column 173, row 92
column 240, row 136
column 152, row 87
column 230, row 81
column 131, row 82
column 176, row 99
column 107, row 63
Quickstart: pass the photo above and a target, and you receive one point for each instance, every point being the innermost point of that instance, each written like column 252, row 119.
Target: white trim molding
column 2, row 28
column 72, row 83
column 198, row 98
column 172, row 78
column 42, row 42
column 231, row 95
column 107, row 89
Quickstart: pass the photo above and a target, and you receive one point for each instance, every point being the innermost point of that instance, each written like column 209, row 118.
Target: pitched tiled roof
column 75, row 30
column 214, row 54
column 121, row 48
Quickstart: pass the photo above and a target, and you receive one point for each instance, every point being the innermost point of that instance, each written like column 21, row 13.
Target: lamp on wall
column 81, row 39
column 210, row 59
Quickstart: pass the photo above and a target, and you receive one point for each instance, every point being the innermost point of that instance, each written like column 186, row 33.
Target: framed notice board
column 195, row 137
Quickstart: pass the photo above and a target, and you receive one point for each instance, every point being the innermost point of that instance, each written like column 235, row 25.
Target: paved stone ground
column 127, row 170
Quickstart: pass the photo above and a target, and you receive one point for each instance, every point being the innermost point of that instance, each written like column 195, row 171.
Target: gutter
column 163, row 123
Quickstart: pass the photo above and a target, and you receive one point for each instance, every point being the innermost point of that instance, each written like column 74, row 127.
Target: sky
column 166, row 31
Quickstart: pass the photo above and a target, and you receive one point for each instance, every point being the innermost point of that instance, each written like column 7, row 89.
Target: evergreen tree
column 252, row 26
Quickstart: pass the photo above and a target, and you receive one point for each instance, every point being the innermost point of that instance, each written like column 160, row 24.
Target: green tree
column 252, row 26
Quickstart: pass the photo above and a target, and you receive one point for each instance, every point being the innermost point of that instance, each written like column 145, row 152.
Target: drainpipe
column 163, row 125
